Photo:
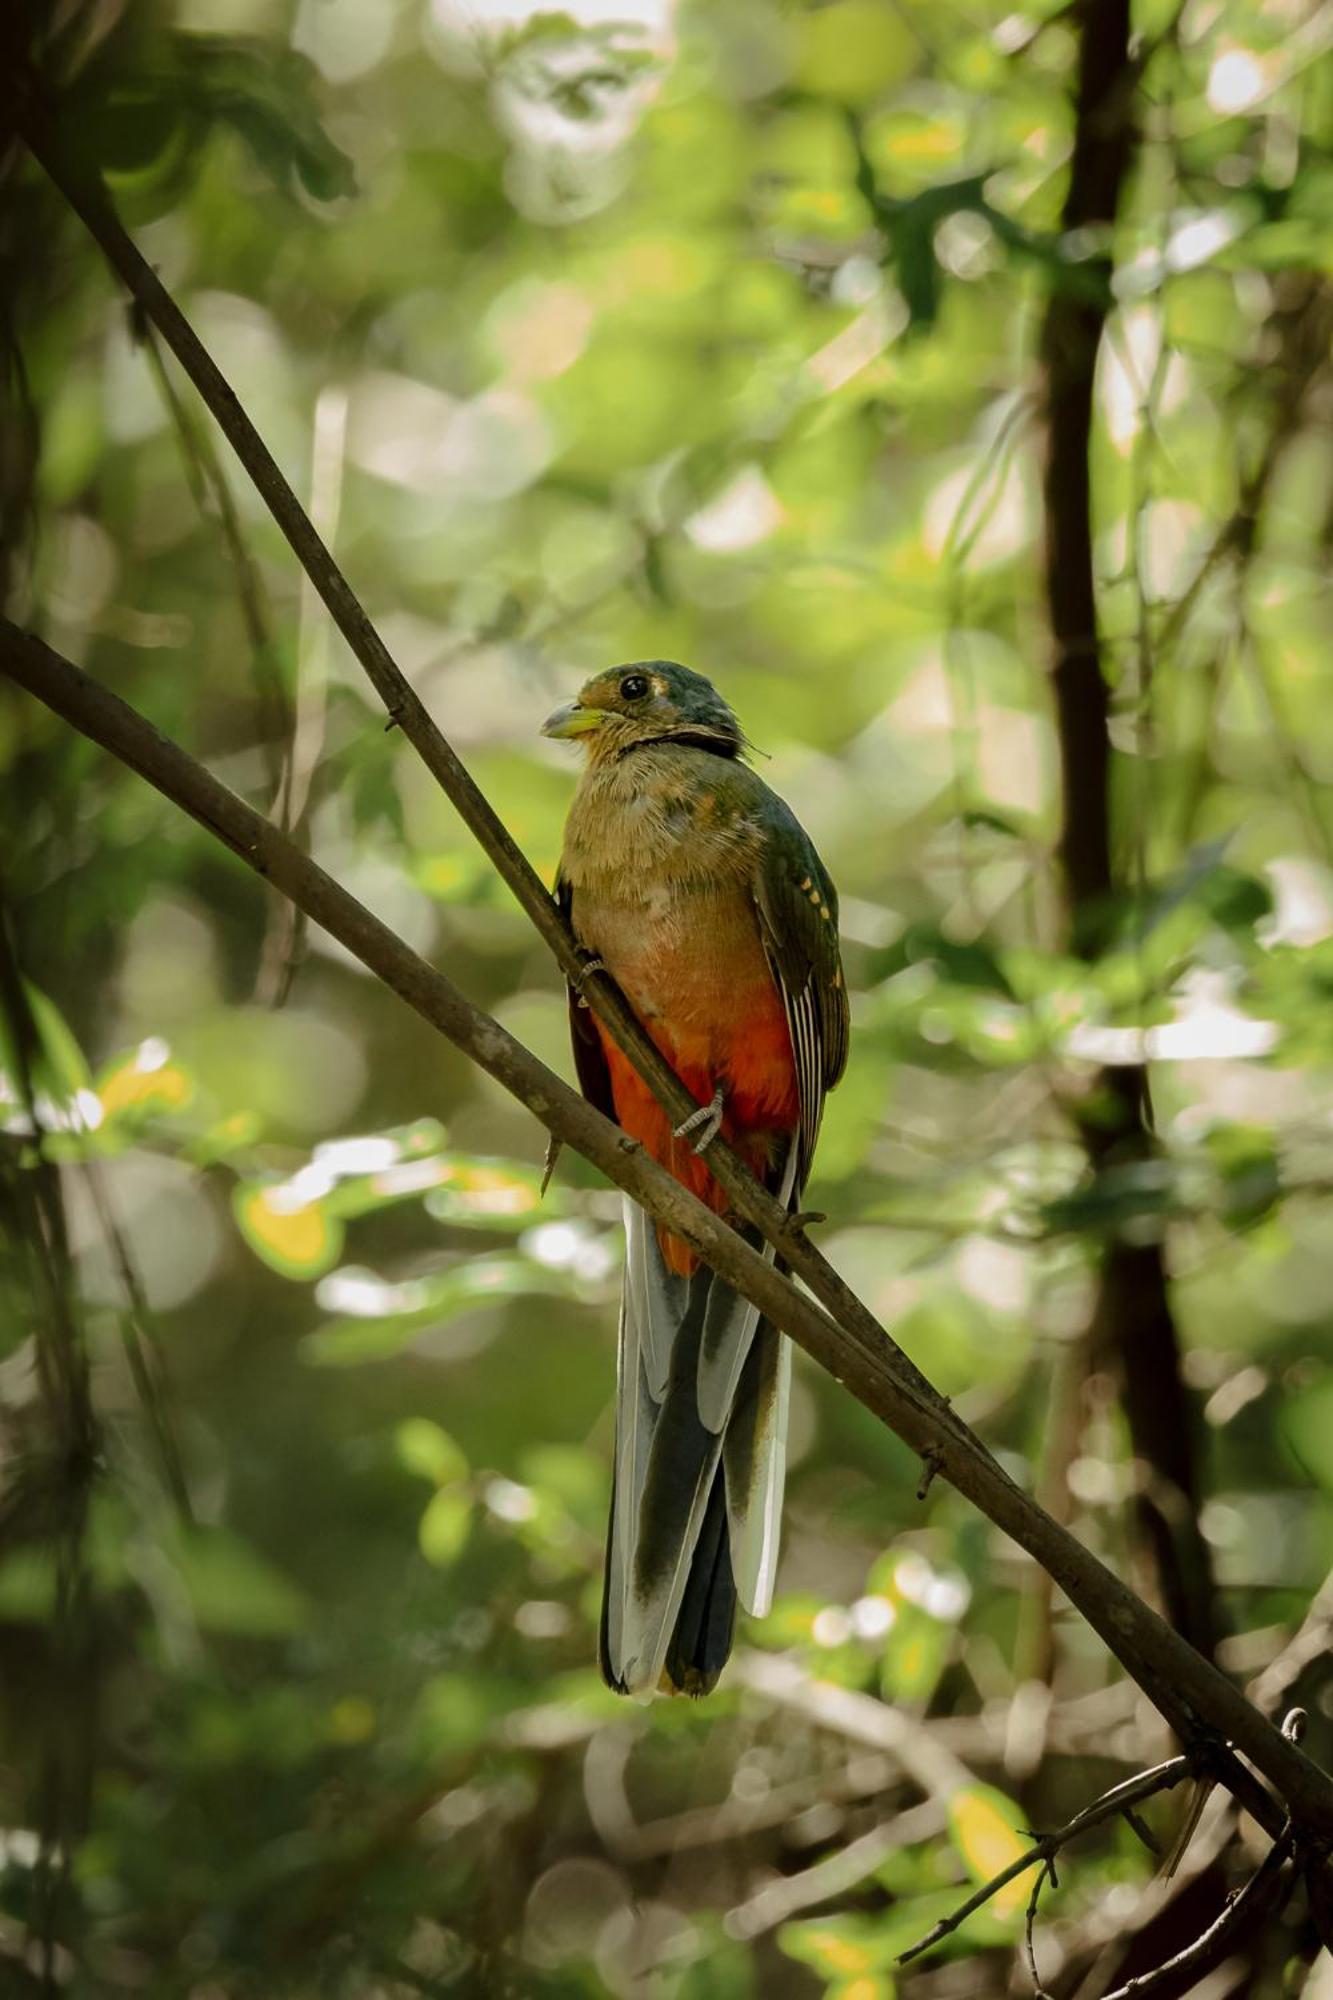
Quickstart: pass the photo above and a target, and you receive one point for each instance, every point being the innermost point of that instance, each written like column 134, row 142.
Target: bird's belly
column 693, row 968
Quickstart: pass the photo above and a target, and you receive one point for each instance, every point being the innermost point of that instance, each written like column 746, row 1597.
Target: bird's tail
column 701, row 1414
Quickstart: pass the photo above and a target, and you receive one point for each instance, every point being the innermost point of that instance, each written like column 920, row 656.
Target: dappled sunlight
column 614, row 332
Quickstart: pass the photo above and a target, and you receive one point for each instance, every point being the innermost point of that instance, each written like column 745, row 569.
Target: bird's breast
column 693, row 967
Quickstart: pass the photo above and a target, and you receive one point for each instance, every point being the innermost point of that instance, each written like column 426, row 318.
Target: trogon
column 700, row 893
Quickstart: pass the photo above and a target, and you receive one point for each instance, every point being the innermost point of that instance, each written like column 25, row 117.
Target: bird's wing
column 589, row 1056
column 798, row 921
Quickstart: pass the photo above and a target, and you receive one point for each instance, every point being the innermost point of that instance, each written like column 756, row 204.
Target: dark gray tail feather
column 706, row 1622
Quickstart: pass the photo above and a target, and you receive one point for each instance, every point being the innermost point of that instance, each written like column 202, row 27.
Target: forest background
column 749, row 336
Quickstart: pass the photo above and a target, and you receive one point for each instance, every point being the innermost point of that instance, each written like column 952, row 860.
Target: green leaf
column 571, row 1474
column 444, row 1527
column 1307, row 1423
column 427, row 1302
column 57, row 1065
column 424, row 1448
column 152, row 122
column 915, row 1654
column 853, row 50
column 232, row 1588
column 496, row 1194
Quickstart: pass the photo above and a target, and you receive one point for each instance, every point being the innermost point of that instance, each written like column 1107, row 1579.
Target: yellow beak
column 573, row 720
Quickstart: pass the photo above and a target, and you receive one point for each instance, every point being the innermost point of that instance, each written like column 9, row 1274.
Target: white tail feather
column 754, row 1517
column 722, row 1354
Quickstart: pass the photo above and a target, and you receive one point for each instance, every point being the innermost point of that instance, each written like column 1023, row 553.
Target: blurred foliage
column 703, row 333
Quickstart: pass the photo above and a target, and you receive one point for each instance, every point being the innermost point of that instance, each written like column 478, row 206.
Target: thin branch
column 835, row 1874
column 209, row 486
column 1130, row 1792
column 736, row 1820
column 1194, row 1697
column 933, row 1768
column 1045, row 1872
column 284, row 941
column 1261, row 1896
column 65, row 1719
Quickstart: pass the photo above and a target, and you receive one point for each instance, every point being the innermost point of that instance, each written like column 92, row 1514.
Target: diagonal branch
column 1194, row 1697
column 87, row 196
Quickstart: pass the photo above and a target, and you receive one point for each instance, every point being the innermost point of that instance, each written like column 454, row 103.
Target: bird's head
column 650, row 701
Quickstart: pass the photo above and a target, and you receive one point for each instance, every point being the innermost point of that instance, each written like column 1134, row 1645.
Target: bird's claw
column 584, row 974
column 706, row 1121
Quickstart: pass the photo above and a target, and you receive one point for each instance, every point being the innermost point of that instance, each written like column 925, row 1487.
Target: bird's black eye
column 634, row 687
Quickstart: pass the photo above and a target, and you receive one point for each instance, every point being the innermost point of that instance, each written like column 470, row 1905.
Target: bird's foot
column 585, row 973
column 706, row 1121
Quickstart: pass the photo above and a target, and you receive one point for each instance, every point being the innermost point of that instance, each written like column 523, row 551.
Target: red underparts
column 749, row 1055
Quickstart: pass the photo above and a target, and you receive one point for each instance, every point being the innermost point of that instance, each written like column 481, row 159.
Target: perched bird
column 697, row 889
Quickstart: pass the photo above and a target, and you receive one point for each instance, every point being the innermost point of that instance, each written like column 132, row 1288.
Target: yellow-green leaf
column 986, row 1830
column 424, row 1448
column 300, row 1241
column 853, row 50
column 444, row 1526
column 137, row 1084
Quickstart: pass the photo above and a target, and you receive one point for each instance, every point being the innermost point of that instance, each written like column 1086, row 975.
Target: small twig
column 1047, row 1869
column 1198, row 1799
column 1130, row 1792
column 930, row 1465
column 284, row 944
column 554, row 1148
